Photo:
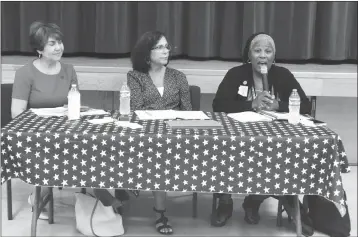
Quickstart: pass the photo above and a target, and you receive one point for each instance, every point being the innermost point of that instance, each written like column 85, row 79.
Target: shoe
column 43, row 215
column 162, row 223
column 223, row 213
column 251, row 214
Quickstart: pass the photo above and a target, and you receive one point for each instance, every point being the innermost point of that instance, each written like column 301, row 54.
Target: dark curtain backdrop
column 301, row 30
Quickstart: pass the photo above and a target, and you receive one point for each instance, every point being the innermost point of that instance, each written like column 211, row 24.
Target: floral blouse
column 145, row 95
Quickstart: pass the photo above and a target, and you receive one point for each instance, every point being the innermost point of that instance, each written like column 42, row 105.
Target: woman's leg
column 162, row 226
column 223, row 211
column 107, row 199
column 251, row 206
column 44, row 191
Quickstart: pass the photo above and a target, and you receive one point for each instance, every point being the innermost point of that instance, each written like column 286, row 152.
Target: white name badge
column 243, row 90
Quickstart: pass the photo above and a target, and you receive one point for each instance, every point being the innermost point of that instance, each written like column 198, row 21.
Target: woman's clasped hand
column 264, row 100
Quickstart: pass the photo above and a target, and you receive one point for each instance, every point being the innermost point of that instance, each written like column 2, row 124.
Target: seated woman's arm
column 184, row 93
column 20, row 93
column 137, row 96
column 226, row 98
column 17, row 107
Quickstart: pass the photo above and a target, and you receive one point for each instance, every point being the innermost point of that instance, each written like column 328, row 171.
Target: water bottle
column 294, row 107
column 74, row 103
column 124, row 99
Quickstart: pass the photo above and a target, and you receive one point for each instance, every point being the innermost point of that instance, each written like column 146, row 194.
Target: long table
column 271, row 158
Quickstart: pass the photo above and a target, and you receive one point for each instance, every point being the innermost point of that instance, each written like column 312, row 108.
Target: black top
column 280, row 79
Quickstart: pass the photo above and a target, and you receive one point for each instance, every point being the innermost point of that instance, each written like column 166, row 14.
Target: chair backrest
column 6, row 92
column 195, row 96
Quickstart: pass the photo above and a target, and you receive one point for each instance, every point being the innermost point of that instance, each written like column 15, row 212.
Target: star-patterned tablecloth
column 247, row 158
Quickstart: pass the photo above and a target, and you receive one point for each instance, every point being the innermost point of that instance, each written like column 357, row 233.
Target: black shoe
column 251, row 214
column 222, row 213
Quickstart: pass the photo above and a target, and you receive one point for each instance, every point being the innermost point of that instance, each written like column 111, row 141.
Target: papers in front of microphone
column 284, row 116
column 170, row 114
column 249, row 116
column 50, row 112
column 101, row 120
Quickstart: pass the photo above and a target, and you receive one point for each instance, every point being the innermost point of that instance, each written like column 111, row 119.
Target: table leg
column 35, row 213
column 195, row 202
column 213, row 208
column 296, row 204
column 50, row 204
column 9, row 200
column 279, row 211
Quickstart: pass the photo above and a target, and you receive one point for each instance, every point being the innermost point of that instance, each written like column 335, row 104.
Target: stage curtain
column 301, row 30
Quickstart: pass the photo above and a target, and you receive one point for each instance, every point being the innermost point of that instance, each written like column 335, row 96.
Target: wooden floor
column 139, row 217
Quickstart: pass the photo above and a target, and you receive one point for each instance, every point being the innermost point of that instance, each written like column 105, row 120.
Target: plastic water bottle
column 294, row 107
column 74, row 103
column 124, row 100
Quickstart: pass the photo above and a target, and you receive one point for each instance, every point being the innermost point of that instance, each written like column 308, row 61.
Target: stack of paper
column 202, row 124
column 101, row 120
column 249, row 116
column 281, row 115
column 191, row 114
column 170, row 114
column 94, row 112
column 128, row 124
column 50, row 112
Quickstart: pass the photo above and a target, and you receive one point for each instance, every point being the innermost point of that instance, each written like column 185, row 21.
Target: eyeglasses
column 162, row 47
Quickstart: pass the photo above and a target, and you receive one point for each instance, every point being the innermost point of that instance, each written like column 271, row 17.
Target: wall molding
column 314, row 83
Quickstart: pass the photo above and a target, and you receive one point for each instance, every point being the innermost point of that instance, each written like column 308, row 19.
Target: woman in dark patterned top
column 241, row 90
column 154, row 86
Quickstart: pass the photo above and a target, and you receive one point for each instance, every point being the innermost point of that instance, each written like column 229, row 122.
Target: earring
column 39, row 55
column 273, row 62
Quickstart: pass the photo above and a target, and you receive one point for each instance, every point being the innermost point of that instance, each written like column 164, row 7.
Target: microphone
column 263, row 70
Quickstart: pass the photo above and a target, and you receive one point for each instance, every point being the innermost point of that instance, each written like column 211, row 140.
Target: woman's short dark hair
column 40, row 32
column 245, row 55
column 140, row 55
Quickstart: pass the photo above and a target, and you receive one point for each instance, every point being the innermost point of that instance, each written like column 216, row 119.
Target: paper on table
column 155, row 114
column 280, row 115
column 101, row 120
column 128, row 124
column 191, row 114
column 94, row 112
column 50, row 112
column 248, row 116
column 170, row 114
